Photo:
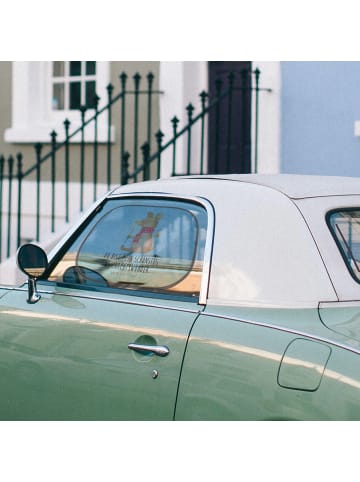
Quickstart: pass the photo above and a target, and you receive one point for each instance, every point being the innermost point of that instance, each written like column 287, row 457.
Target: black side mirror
column 32, row 261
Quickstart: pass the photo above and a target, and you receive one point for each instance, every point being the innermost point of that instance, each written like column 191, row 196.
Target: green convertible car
column 230, row 297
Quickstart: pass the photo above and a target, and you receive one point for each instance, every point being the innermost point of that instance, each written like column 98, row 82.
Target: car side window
column 345, row 227
column 152, row 245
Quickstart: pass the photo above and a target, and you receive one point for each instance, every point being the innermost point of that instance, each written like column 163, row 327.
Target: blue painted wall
column 319, row 106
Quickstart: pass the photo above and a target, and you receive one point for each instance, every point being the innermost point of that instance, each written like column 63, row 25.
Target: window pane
column 90, row 68
column 58, row 69
column 75, row 68
column 90, row 94
column 345, row 227
column 75, row 95
column 58, row 97
column 138, row 245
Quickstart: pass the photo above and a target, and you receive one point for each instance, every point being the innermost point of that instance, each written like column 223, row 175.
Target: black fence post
column 82, row 157
column 96, row 102
column 125, row 168
column 123, row 78
column 175, row 121
column 190, row 110
column 150, row 78
column 146, row 154
column 38, row 147
column 203, row 97
column 67, row 175
column 159, row 136
column 53, row 178
column 19, row 158
column 110, row 89
column 10, row 178
column 137, row 79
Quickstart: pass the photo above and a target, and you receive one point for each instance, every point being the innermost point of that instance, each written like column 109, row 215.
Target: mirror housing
column 32, row 260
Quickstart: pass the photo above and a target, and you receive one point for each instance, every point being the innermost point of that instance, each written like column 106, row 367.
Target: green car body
column 204, row 298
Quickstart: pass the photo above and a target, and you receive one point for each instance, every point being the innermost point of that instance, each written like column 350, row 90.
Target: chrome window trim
column 114, row 300
column 205, row 203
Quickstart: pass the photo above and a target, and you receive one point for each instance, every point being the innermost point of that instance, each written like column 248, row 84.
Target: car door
column 107, row 338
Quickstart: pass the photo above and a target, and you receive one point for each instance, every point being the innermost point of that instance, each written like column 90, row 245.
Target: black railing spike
column 123, row 77
column 159, row 135
column 53, row 135
column 110, row 89
column 257, row 73
column 10, row 164
column 38, row 148
column 137, row 78
column 67, row 126
column 190, row 109
column 175, row 121
column 203, row 96
column 150, row 77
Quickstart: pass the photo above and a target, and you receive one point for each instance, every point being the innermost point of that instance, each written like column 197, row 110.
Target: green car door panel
column 67, row 357
column 251, row 370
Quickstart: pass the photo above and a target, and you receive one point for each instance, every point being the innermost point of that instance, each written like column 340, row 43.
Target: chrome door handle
column 155, row 349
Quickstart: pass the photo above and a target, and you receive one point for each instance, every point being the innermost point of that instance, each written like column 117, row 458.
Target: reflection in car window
column 154, row 245
column 345, row 227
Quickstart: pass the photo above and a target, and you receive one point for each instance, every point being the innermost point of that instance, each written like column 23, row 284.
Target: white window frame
column 66, row 80
column 33, row 118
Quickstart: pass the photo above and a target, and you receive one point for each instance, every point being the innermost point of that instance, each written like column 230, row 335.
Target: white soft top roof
column 295, row 186
column 283, row 216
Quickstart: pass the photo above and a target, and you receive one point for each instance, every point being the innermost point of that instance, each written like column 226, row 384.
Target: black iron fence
column 142, row 161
